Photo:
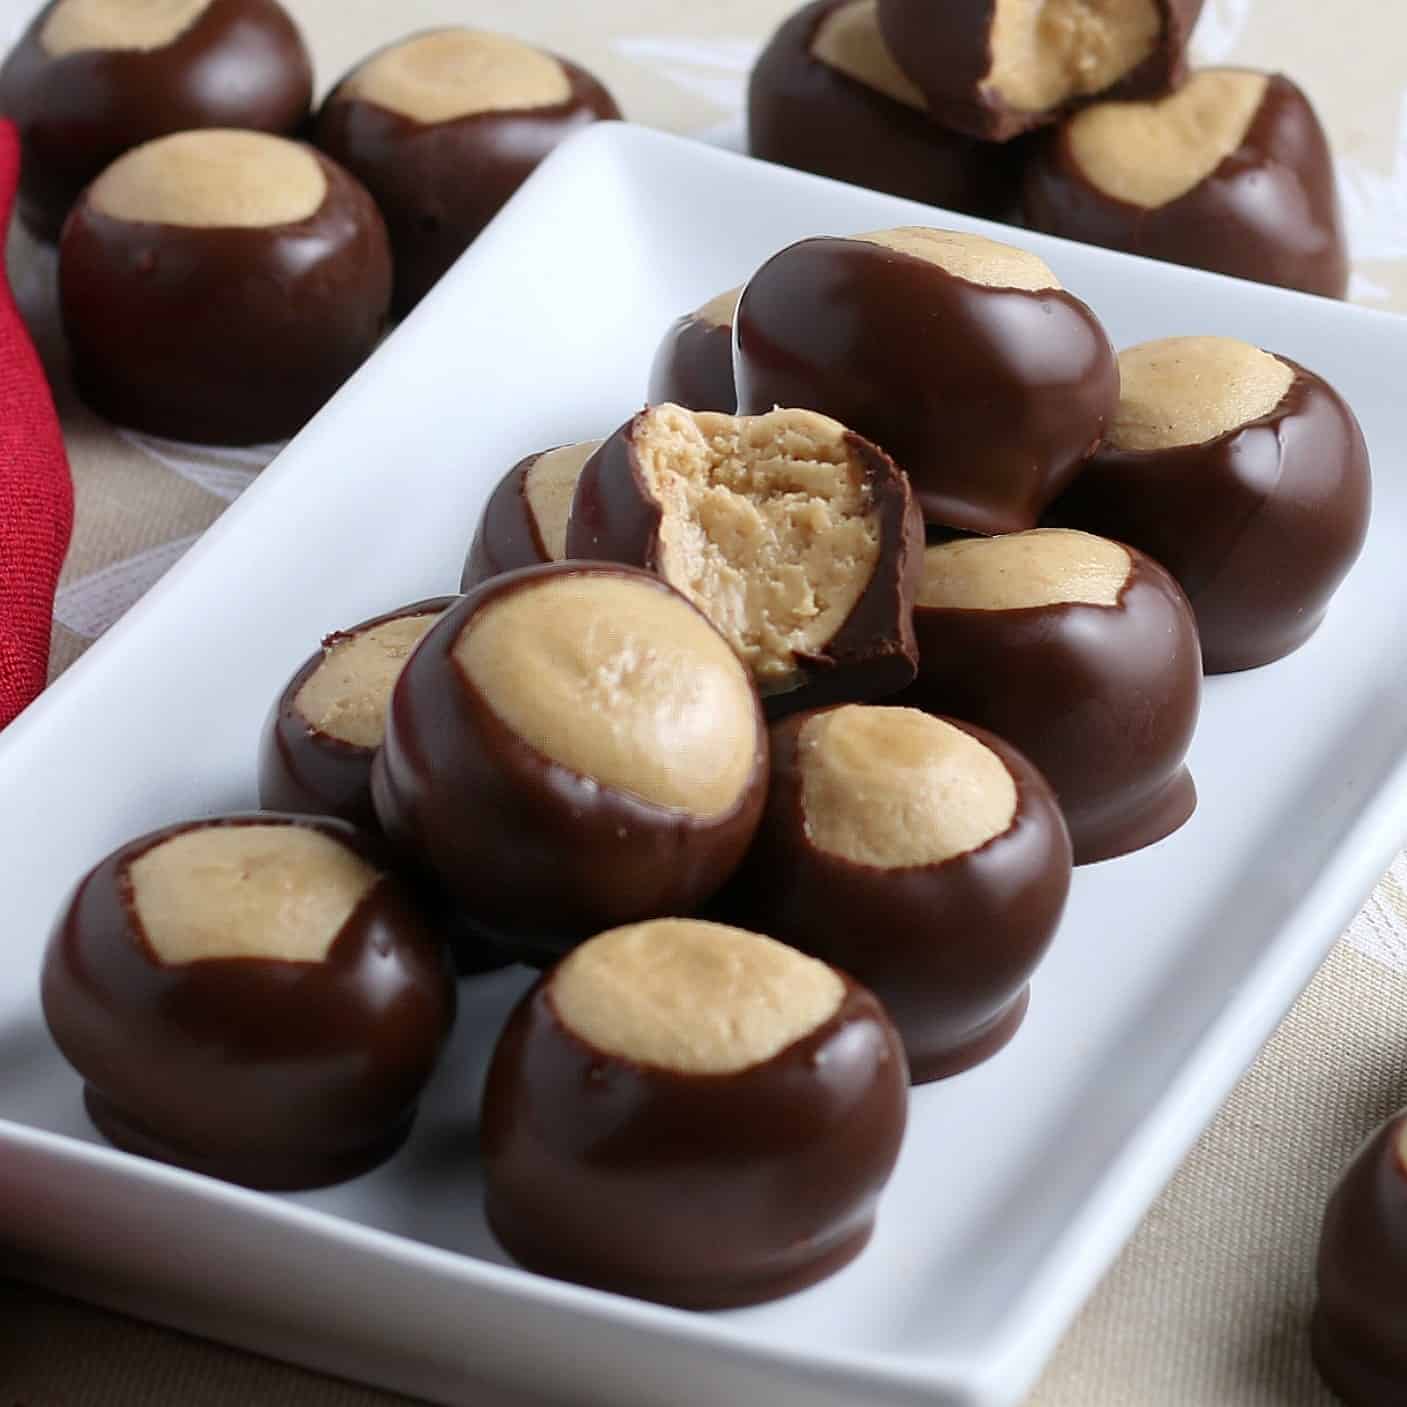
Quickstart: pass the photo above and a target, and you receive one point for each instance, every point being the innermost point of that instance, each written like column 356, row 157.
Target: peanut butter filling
column 142, row 25
column 1151, row 153
column 1045, row 52
column 549, row 486
column 699, row 998
column 720, row 310
column 768, row 526
column 1043, row 567
column 347, row 695
column 621, row 682
column 1188, row 390
column 894, row 788
column 213, row 178
column 970, row 257
column 246, row 891
column 452, row 73
column 849, row 41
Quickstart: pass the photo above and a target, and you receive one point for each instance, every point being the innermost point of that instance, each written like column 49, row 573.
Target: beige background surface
column 1208, row 1303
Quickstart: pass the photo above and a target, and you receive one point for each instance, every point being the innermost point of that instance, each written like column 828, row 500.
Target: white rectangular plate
column 1018, row 1181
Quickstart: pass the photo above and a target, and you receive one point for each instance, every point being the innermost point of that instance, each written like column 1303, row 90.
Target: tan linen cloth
column 1208, row 1302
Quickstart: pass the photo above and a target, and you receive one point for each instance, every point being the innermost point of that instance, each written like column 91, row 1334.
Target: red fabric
column 36, row 491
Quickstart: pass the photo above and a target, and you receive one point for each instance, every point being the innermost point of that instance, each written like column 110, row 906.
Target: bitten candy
column 443, row 127
column 990, row 420
column 1231, row 173
column 928, row 859
column 569, row 747
column 798, row 539
column 91, row 79
column 219, row 286
column 524, row 523
column 691, row 1113
column 1083, row 654
column 993, row 68
column 827, row 96
column 254, row 997
column 1359, row 1331
column 1245, row 475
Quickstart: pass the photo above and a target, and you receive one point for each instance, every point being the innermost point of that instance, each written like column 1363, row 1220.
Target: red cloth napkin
column 36, row 491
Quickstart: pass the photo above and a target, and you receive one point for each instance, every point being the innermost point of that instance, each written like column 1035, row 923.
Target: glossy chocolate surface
column 990, row 420
column 1259, row 526
column 438, row 184
column 704, row 1191
column 615, row 518
column 242, row 63
column 306, row 771
column 694, row 366
column 948, row 948
column 1359, row 1331
column 528, row 849
column 1102, row 699
column 507, row 535
column 946, row 49
column 271, row 1073
column 1269, row 212
column 223, row 335
column 804, row 113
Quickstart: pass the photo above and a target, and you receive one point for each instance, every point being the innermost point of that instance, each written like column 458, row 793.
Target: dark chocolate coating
column 615, row 518
column 989, row 398
column 1269, row 212
column 806, row 114
column 309, row 772
column 704, row 1191
column 242, row 63
column 507, row 535
column 945, row 47
column 948, row 948
column 438, row 184
column 274, row 1074
column 1102, row 699
column 224, row 335
column 1259, row 525
column 1359, row 1331
column 528, row 848
column 694, row 366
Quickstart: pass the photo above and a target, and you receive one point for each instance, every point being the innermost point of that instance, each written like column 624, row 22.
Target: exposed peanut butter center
column 720, row 311
column 1188, row 390
column 548, row 487
column 1151, row 153
column 700, row 998
column 213, row 178
column 1047, row 51
column 347, row 695
column 621, row 682
column 893, row 787
column 453, row 73
column 1043, row 567
column 253, row 891
column 970, row 257
column 75, row 25
column 768, row 526
column 848, row 39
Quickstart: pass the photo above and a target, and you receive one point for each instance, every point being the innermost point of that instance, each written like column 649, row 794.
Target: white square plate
column 1018, row 1181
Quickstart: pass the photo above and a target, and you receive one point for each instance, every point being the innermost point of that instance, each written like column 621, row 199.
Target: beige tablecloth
column 1208, row 1302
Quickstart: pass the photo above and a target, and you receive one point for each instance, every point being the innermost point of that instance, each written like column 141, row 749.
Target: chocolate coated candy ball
column 253, row 997
column 694, row 364
column 962, row 358
column 92, row 79
column 1232, row 173
column 1245, row 475
column 219, row 286
column 444, row 127
column 691, row 1113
